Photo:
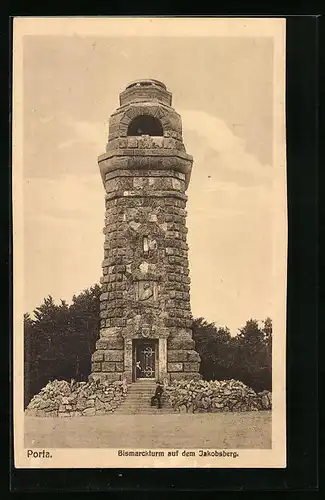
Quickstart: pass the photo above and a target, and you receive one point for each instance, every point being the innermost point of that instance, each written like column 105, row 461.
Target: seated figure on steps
column 139, row 369
column 157, row 396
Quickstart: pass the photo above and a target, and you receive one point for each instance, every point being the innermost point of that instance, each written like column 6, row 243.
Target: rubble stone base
column 60, row 398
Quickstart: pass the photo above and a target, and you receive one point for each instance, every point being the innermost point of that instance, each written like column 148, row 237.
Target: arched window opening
column 145, row 125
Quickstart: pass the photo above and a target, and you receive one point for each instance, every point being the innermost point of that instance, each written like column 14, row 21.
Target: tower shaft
column 145, row 312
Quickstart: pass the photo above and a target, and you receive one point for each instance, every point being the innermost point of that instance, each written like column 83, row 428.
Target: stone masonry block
column 96, row 367
column 174, row 367
column 177, row 356
column 118, row 322
column 101, row 344
column 110, row 332
column 108, row 366
column 113, row 342
column 114, row 355
column 177, row 343
column 191, row 367
column 98, row 356
column 193, row 356
column 185, row 376
column 109, row 377
column 119, row 367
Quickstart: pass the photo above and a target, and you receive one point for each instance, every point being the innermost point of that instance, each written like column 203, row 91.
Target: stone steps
column 138, row 398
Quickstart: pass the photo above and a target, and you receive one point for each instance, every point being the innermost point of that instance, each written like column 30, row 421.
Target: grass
column 218, row 430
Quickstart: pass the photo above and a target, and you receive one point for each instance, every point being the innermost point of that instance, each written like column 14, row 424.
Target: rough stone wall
column 60, row 398
column 216, row 396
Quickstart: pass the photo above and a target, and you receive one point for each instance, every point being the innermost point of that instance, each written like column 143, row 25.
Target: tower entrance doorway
column 145, row 359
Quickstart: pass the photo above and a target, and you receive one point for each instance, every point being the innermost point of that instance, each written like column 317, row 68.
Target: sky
column 222, row 87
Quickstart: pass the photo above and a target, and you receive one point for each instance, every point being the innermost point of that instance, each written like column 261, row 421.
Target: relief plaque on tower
column 146, row 291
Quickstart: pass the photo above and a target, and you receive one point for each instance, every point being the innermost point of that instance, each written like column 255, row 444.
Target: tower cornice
column 149, row 159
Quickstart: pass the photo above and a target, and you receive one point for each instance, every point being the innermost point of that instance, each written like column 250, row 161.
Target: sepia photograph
column 150, row 242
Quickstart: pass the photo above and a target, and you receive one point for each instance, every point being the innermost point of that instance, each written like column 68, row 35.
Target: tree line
column 60, row 339
column 246, row 357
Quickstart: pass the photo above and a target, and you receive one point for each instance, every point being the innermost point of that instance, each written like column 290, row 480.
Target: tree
column 215, row 349
column 254, row 356
column 267, row 331
column 60, row 340
column 246, row 357
column 29, row 357
column 84, row 313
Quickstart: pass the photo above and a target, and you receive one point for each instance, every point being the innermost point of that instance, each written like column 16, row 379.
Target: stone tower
column 145, row 327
